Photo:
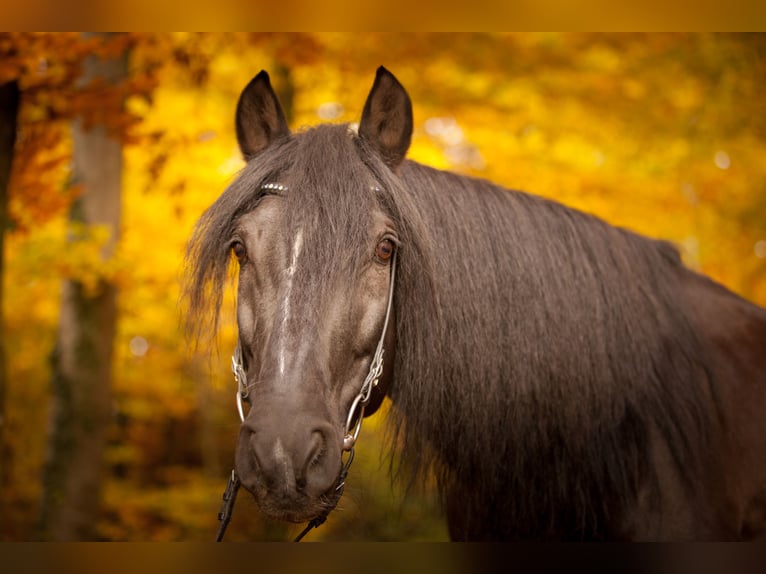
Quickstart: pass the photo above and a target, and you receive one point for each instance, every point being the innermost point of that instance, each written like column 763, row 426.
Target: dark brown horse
column 563, row 378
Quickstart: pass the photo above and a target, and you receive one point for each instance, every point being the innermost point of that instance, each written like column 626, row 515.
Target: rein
column 352, row 428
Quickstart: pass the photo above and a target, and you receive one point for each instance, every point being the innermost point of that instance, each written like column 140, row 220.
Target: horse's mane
column 537, row 347
column 561, row 344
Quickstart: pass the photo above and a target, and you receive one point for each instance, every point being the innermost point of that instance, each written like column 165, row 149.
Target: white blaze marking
column 297, row 245
column 283, row 460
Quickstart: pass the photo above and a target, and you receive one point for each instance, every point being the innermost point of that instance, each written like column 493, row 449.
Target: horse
column 560, row 378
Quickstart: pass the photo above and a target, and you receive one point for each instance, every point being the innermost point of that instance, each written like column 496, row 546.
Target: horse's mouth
column 289, row 515
column 305, row 513
column 296, row 508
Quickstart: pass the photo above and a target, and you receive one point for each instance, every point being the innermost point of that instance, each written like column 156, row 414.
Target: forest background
column 111, row 146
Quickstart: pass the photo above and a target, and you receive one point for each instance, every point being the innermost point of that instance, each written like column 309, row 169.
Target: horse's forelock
column 207, row 258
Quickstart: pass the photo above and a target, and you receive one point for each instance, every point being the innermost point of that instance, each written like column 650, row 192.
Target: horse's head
column 316, row 249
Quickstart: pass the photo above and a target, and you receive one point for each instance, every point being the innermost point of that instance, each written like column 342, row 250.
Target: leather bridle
column 353, row 419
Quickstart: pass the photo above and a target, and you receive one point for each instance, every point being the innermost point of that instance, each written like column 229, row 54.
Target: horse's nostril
column 312, row 453
column 300, row 483
column 313, row 457
column 317, row 449
column 261, row 460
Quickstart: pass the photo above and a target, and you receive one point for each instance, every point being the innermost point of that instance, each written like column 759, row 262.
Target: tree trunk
column 81, row 409
column 9, row 107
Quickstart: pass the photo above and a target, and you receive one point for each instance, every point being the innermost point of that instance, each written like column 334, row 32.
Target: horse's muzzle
column 290, row 466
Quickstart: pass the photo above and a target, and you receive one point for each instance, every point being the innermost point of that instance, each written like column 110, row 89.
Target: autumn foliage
column 661, row 133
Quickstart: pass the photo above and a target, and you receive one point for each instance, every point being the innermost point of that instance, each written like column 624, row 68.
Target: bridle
column 353, row 419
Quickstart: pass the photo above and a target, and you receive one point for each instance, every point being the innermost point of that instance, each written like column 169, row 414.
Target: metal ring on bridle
column 237, row 367
column 349, row 438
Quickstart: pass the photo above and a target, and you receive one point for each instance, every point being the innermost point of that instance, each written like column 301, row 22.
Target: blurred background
column 114, row 427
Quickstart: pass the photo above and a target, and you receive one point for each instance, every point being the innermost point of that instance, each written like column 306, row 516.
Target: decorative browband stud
column 281, row 187
column 274, row 187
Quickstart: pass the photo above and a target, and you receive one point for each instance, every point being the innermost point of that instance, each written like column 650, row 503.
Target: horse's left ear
column 386, row 122
column 260, row 119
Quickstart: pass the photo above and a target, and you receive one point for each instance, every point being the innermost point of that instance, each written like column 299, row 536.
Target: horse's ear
column 386, row 122
column 260, row 119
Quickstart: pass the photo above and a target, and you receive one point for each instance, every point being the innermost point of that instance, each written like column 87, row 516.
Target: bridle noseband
column 353, row 419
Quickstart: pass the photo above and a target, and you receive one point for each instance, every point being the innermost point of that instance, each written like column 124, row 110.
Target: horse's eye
column 384, row 250
column 239, row 251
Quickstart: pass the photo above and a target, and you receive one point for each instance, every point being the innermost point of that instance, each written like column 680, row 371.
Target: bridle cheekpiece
column 353, row 419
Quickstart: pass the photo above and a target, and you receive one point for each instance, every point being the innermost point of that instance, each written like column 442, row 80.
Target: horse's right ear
column 260, row 119
column 386, row 122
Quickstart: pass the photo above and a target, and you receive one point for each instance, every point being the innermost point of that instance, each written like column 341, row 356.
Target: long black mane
column 567, row 339
column 538, row 347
